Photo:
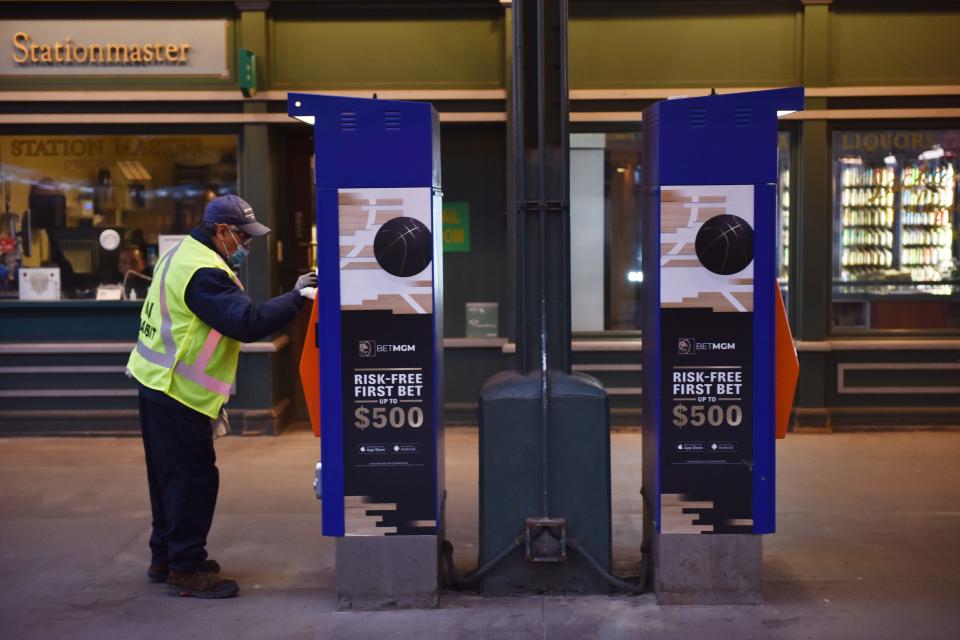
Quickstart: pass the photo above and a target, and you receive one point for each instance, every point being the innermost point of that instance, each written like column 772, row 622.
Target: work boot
column 157, row 572
column 200, row 584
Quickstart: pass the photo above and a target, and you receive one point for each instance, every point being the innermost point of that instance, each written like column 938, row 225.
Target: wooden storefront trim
column 459, row 95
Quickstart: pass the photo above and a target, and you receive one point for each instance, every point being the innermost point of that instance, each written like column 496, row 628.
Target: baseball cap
column 236, row 211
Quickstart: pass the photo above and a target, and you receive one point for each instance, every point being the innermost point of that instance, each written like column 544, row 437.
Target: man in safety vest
column 194, row 318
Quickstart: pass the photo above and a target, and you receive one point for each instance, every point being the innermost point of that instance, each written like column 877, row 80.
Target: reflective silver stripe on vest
column 197, row 372
column 167, row 358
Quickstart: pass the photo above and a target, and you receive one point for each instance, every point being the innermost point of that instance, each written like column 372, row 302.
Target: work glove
column 307, row 285
column 220, row 425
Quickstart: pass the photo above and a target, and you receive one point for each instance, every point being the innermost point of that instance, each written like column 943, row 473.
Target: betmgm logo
column 370, row 348
column 367, row 348
column 689, row 346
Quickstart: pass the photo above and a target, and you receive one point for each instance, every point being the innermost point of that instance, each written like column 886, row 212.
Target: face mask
column 240, row 254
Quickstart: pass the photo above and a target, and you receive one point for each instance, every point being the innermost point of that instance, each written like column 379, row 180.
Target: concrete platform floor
column 868, row 547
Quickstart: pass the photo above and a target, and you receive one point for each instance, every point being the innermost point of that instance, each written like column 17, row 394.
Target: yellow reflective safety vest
column 177, row 353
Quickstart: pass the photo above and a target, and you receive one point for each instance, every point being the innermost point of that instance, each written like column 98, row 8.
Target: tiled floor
column 868, row 547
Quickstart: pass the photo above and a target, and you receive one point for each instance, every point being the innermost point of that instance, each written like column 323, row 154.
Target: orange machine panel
column 310, row 372
column 787, row 367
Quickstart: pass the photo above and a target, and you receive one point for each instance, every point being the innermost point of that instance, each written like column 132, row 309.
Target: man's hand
column 306, row 281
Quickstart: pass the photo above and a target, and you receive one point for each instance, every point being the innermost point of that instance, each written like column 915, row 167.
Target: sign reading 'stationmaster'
column 706, row 316
column 387, row 329
column 115, row 47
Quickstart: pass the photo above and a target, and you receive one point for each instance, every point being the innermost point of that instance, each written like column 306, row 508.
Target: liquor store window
column 784, row 207
column 896, row 264
column 86, row 216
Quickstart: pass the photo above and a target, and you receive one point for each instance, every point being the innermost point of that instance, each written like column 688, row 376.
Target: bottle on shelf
column 927, row 200
column 867, row 216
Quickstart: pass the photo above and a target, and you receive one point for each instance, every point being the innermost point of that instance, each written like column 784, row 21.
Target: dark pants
column 183, row 479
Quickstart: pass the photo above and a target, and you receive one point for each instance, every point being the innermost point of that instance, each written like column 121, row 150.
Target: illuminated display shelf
column 867, row 218
column 926, row 219
column 784, row 202
column 896, row 217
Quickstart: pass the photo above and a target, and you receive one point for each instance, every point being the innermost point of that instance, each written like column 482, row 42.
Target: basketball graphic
column 724, row 244
column 403, row 247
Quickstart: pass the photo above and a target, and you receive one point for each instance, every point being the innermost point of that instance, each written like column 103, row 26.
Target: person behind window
column 133, row 267
column 10, row 260
column 8, row 271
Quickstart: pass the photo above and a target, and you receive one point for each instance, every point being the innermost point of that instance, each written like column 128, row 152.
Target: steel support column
column 541, row 157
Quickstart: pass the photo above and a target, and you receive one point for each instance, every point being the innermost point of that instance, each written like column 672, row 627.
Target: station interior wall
column 885, row 64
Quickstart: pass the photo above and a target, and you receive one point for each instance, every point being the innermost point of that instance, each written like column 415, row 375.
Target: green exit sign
column 247, row 72
column 456, row 227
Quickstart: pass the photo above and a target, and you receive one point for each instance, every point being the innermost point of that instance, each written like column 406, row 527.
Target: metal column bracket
column 546, row 539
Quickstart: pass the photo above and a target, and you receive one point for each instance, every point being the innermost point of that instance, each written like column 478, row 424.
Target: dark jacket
column 216, row 300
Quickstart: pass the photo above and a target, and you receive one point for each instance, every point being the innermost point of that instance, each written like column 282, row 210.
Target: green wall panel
column 474, row 171
column 894, row 47
column 666, row 50
column 343, row 53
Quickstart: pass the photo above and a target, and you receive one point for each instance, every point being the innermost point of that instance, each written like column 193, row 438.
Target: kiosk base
column 707, row 569
column 387, row 572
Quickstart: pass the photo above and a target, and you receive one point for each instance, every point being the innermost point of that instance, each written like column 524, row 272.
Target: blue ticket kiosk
column 709, row 334
column 379, row 320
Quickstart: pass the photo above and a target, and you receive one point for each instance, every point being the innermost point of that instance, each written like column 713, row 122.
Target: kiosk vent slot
column 348, row 121
column 391, row 120
column 698, row 117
